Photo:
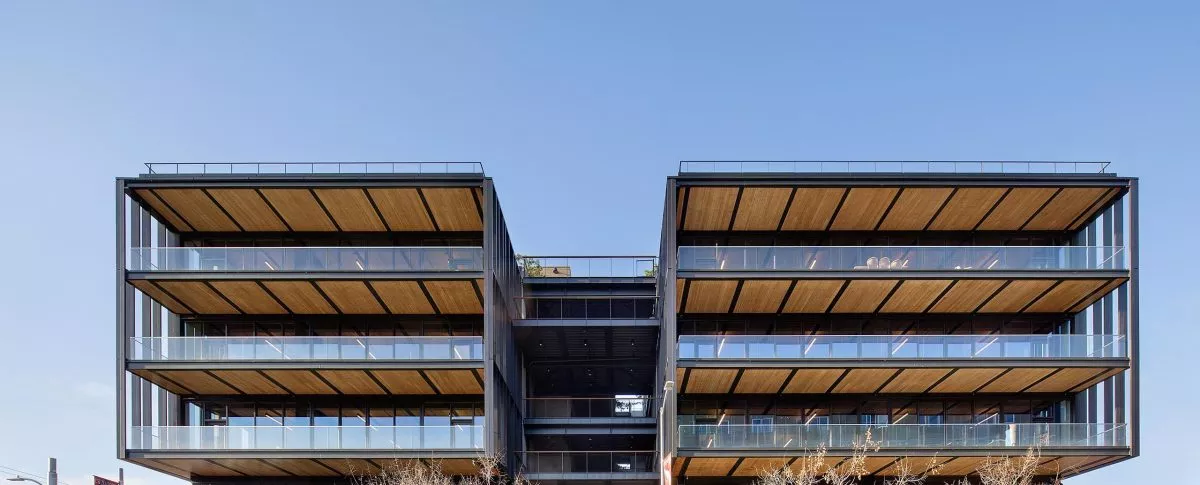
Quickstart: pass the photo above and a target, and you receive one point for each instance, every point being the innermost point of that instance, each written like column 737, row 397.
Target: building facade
column 310, row 323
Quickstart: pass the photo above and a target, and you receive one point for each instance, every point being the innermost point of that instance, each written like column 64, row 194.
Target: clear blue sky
column 567, row 104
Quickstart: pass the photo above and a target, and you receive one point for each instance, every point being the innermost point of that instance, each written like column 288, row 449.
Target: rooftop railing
column 904, row 436
column 897, row 347
column 313, row 168
column 956, row 167
column 590, row 407
column 901, row 258
column 588, row 266
column 178, row 349
column 586, row 308
column 306, row 259
column 588, row 462
column 189, row 438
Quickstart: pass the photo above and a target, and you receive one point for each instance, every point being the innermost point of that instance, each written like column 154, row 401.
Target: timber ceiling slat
column 455, row 297
column 862, row 296
column 248, row 209
column 403, row 381
column 199, row 381
column 300, row 209
column 160, row 296
column 301, row 467
column 1065, row 379
column 250, row 297
column 761, row 296
column 710, row 381
column 812, row 296
column 402, row 208
column 710, row 467
column 455, row 381
column 351, row 208
column 1108, row 288
column 1015, row 296
column 914, row 380
column 965, row 380
column 351, row 381
column 863, row 208
column 966, row 208
column 301, row 382
column 761, row 208
column 761, row 381
column 1065, row 208
column 710, row 296
column 812, row 381
column 403, row 297
column 914, row 296
column 249, row 382
column 709, row 208
column 966, row 296
column 252, row 467
column 812, row 208
column 453, row 208
column 198, row 296
column 300, row 297
column 1016, row 379
column 1065, row 295
column 351, row 297
column 860, row 381
column 163, row 210
column 1020, row 204
column 915, row 208
column 197, row 209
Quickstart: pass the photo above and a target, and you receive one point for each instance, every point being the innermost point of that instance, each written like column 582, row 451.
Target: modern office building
column 309, row 323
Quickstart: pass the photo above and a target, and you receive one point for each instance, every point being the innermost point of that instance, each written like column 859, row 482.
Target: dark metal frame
column 1128, row 192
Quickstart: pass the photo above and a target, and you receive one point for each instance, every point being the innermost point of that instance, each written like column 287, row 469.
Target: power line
column 24, row 473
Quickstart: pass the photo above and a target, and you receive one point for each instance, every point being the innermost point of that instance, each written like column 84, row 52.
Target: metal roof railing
column 957, row 167
column 313, row 168
column 588, row 266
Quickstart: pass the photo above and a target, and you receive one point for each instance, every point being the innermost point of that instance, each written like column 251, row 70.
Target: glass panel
column 930, row 432
column 900, row 346
column 306, row 259
column 307, row 348
column 899, row 258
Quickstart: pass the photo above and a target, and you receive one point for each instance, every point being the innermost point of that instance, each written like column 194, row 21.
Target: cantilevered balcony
column 901, row 258
column 945, row 449
column 999, row 436
column 308, row 451
column 288, row 365
column 897, row 279
column 195, row 438
column 305, row 259
column 859, row 364
column 310, row 280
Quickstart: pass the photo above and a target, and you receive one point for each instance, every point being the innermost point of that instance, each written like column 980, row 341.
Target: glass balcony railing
column 901, row 258
column 893, row 347
column 587, row 461
column 630, row 406
column 936, row 436
column 307, row 168
column 588, row 267
column 891, row 166
column 306, row 259
column 305, row 348
column 587, row 308
column 466, row 437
